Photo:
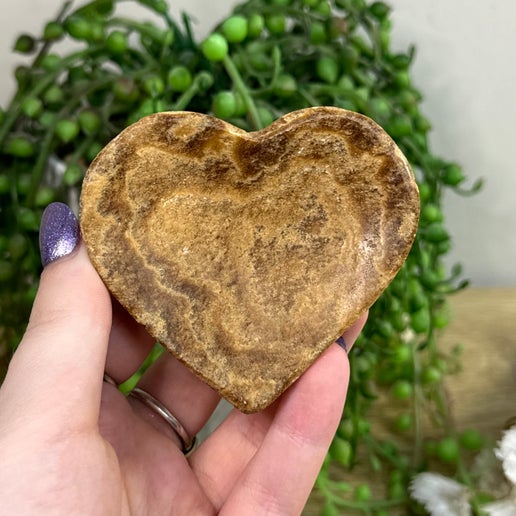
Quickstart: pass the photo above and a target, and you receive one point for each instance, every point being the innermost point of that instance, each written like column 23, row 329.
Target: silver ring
column 187, row 443
column 110, row 380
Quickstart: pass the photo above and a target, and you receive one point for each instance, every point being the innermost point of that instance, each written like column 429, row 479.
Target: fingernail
column 58, row 233
column 342, row 343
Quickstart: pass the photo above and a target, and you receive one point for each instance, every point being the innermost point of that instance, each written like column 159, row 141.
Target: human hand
column 73, row 444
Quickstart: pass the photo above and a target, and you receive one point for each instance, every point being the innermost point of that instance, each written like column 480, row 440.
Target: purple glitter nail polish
column 342, row 343
column 59, row 232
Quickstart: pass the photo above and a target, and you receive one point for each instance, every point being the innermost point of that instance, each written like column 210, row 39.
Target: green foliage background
column 267, row 58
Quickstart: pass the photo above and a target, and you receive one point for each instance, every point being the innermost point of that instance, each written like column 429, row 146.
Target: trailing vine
column 265, row 59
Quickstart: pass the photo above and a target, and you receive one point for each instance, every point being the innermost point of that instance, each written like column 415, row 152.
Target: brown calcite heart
column 247, row 254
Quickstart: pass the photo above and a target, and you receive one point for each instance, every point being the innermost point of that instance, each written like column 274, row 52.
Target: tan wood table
column 483, row 394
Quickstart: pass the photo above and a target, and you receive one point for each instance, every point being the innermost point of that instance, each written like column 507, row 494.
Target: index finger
column 60, row 362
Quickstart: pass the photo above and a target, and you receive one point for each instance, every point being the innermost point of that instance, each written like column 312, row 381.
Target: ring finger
column 186, row 396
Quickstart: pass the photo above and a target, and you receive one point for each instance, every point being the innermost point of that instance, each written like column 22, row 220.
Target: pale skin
column 73, row 444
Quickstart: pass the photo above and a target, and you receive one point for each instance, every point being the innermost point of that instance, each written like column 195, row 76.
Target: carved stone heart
column 247, row 254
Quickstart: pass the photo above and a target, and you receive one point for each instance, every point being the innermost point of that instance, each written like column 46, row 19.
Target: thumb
column 63, row 352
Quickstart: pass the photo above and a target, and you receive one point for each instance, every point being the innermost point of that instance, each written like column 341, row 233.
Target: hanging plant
column 267, row 58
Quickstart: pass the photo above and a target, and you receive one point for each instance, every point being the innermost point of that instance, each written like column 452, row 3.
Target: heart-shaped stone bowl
column 247, row 254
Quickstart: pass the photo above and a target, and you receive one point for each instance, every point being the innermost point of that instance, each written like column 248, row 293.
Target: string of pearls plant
column 94, row 69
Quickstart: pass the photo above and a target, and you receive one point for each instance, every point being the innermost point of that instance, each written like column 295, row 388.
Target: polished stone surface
column 248, row 254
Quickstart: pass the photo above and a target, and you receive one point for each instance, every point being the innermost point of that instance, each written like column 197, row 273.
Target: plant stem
column 185, row 99
column 41, row 163
column 417, row 399
column 241, row 88
column 60, row 15
column 367, row 507
column 188, row 28
column 309, row 98
column 14, row 109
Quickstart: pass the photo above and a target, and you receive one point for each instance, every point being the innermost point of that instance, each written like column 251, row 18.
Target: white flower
column 440, row 495
column 506, row 452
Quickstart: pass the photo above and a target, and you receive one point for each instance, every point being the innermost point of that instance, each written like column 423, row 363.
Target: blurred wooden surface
column 483, row 394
